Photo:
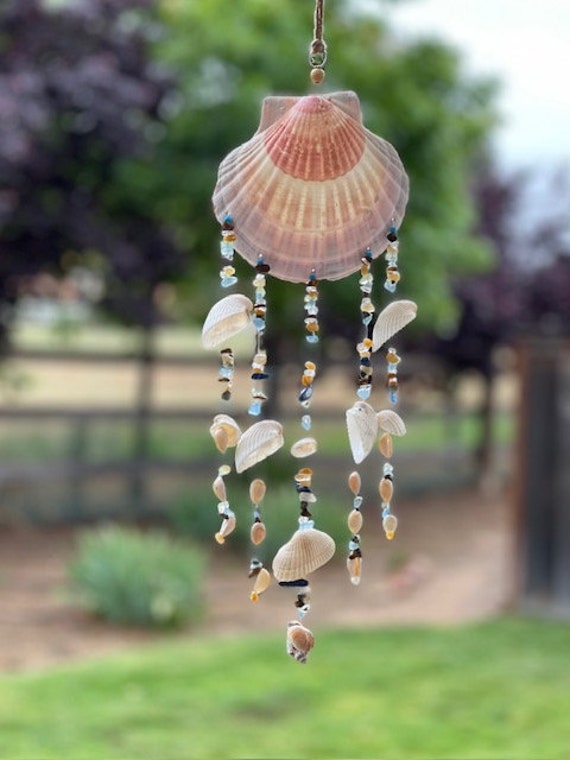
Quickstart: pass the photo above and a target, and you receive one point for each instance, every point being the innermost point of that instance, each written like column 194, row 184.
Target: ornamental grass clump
column 138, row 578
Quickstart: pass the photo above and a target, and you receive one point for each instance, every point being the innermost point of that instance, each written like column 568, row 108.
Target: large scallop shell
column 362, row 426
column 305, row 552
column 257, row 443
column 391, row 320
column 391, row 422
column 227, row 317
column 312, row 189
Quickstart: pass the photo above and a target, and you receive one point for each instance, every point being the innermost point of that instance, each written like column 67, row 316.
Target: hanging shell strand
column 354, row 524
column 257, row 491
column 224, row 510
column 392, row 272
column 227, row 272
column 258, row 368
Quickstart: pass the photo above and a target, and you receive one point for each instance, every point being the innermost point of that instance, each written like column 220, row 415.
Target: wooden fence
column 66, row 480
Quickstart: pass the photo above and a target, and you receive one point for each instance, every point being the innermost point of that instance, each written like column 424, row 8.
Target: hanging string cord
column 318, row 49
column 319, row 12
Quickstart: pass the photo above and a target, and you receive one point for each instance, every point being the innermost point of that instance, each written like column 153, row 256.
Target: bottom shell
column 300, row 641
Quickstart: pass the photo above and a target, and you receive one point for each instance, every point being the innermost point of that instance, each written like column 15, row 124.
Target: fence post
column 542, row 500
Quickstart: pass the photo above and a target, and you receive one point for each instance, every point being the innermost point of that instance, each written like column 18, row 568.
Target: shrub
column 135, row 578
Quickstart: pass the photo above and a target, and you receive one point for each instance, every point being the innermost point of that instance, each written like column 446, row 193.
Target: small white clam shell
column 225, row 431
column 391, row 320
column 303, row 448
column 362, row 426
column 257, row 443
column 391, row 422
column 305, row 552
column 226, row 318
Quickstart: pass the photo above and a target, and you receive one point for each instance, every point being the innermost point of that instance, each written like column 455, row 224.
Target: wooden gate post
column 542, row 495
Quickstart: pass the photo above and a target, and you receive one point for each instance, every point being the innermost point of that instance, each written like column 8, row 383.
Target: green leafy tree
column 228, row 56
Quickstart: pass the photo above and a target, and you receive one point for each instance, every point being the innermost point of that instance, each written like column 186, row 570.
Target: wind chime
column 312, row 196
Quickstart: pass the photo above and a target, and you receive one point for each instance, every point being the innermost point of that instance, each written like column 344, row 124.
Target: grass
column 494, row 690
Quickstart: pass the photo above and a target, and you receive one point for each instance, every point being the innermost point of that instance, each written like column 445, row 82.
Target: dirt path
column 450, row 562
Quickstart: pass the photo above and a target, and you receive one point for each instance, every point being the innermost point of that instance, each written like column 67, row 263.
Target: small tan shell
column 225, row 431
column 262, row 583
column 386, row 489
column 257, row 490
column 226, row 318
column 303, row 448
column 313, row 188
column 391, row 422
column 257, row 443
column 228, row 526
column 354, row 521
column 362, row 427
column 300, row 641
column 385, row 445
column 354, row 567
column 390, row 524
column 391, row 320
column 354, row 482
column 257, row 533
column 305, row 552
column 219, row 488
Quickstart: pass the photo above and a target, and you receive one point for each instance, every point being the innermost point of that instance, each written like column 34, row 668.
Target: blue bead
column 306, row 421
column 227, row 250
column 357, row 503
column 388, row 469
column 312, row 338
column 363, row 392
column 352, row 545
column 259, row 324
column 226, row 372
column 306, row 393
column 393, row 396
column 366, row 320
column 390, row 286
column 386, row 512
column 227, row 282
column 254, row 408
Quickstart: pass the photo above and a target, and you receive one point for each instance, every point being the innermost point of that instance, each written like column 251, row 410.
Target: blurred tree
column 227, row 57
column 79, row 92
column 526, row 293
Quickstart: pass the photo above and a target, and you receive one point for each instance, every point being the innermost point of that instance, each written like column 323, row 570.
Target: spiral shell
column 313, row 188
column 226, row 318
column 391, row 422
column 225, row 431
column 300, row 641
column 257, row 443
column 362, row 427
column 391, row 320
column 305, row 552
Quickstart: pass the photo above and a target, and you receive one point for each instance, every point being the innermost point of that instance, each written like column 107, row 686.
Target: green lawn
column 494, row 690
